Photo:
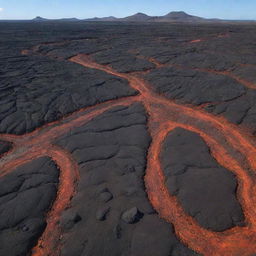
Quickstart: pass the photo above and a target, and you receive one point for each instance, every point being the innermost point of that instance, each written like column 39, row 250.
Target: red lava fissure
column 199, row 40
column 229, row 145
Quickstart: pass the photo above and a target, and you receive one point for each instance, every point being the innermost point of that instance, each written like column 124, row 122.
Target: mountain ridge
column 174, row 17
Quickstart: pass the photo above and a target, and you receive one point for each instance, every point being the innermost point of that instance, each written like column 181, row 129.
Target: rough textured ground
column 205, row 190
column 4, row 147
column 38, row 90
column 127, row 139
column 26, row 195
column 111, row 152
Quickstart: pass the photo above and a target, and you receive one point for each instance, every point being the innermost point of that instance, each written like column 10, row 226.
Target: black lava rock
column 130, row 216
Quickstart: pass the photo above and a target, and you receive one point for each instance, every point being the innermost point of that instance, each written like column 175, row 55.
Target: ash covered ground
column 125, row 139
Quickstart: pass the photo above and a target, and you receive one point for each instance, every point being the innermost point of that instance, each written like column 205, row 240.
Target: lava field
column 125, row 139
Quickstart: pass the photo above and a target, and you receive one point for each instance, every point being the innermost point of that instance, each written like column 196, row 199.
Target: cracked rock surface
column 194, row 87
column 205, row 68
column 37, row 90
column 206, row 190
column 111, row 152
column 26, row 195
column 5, row 146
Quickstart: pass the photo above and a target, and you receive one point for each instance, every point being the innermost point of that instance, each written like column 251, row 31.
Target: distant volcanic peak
column 138, row 17
column 177, row 14
column 109, row 18
column 70, row 19
column 141, row 14
column 174, row 16
column 39, row 18
column 181, row 16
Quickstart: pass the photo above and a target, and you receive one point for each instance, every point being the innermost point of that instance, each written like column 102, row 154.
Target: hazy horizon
column 54, row 9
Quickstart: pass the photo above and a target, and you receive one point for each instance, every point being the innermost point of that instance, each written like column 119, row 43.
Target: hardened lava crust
column 127, row 139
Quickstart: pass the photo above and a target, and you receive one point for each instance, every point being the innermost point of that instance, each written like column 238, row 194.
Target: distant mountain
column 180, row 17
column 109, row 18
column 69, row 19
column 142, row 17
column 38, row 18
column 138, row 17
column 174, row 17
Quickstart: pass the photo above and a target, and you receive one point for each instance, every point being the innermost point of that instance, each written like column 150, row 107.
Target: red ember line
column 196, row 41
column 48, row 244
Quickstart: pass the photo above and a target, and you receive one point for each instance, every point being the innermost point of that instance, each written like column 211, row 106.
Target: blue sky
column 27, row 9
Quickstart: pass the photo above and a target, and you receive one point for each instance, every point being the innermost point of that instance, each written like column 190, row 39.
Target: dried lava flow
column 39, row 143
column 229, row 145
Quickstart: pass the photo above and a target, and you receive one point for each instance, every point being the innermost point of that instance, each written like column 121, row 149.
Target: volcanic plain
column 127, row 139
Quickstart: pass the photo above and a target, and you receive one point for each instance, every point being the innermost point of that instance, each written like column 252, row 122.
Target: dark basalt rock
column 205, row 190
column 203, row 60
column 240, row 111
column 154, row 238
column 26, row 195
column 5, row 146
column 189, row 86
column 106, row 196
column 247, row 73
column 51, row 89
column 102, row 213
column 130, row 216
column 122, row 61
column 111, row 151
column 69, row 219
column 68, row 49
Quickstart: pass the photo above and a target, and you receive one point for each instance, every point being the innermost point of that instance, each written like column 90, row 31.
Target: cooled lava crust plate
column 125, row 139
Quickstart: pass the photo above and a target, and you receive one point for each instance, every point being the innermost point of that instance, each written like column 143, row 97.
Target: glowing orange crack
column 48, row 244
column 196, row 41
